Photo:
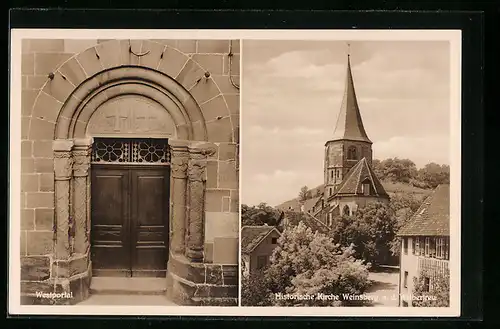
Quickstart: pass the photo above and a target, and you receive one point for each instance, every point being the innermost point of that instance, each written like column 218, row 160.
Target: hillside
column 391, row 188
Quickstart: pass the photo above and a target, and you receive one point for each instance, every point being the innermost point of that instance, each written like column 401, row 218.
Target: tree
column 304, row 194
column 306, row 263
column 397, row 170
column 434, row 174
column 259, row 215
column 435, row 286
column 370, row 230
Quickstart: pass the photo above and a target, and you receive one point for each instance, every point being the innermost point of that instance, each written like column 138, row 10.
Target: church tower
column 350, row 142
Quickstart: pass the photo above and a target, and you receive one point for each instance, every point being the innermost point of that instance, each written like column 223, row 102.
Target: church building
column 349, row 180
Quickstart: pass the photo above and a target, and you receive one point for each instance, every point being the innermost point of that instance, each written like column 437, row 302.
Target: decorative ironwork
column 144, row 150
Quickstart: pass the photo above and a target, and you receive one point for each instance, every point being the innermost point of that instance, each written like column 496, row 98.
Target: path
column 385, row 287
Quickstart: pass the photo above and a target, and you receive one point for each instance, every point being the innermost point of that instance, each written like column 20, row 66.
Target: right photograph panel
column 345, row 197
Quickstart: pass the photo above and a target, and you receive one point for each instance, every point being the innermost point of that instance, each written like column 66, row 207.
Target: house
column 257, row 245
column 117, row 167
column 425, row 243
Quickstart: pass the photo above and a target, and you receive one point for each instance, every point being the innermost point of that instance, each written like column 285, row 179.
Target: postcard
column 235, row 172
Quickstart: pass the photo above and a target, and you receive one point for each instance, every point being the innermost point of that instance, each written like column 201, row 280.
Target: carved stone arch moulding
column 145, row 83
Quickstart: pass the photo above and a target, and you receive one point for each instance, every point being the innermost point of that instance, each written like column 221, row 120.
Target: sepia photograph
column 245, row 173
column 128, row 168
column 346, row 161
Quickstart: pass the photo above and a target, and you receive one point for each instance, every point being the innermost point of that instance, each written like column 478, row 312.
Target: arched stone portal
column 141, row 98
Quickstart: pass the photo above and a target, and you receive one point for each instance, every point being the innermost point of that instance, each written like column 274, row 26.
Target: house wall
column 409, row 263
column 265, row 248
column 53, row 70
column 413, row 265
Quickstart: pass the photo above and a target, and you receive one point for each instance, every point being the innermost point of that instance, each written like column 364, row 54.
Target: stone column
column 81, row 165
column 196, row 181
column 178, row 188
column 63, row 164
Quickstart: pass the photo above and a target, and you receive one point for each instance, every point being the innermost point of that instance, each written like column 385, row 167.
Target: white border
column 453, row 36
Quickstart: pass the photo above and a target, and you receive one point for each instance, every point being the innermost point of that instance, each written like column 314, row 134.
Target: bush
column 306, row 263
column 255, row 290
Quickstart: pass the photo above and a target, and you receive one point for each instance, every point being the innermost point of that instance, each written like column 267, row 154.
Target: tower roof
column 360, row 174
column 349, row 123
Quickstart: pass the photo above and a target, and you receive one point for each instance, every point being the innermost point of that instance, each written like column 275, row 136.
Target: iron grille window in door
column 134, row 150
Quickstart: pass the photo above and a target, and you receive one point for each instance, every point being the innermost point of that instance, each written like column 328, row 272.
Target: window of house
column 439, row 248
column 351, row 153
column 427, row 282
column 446, row 248
column 432, row 247
column 274, row 240
column 261, row 262
column 330, row 191
column 405, row 246
column 427, row 246
column 405, row 281
column 413, row 246
column 416, row 246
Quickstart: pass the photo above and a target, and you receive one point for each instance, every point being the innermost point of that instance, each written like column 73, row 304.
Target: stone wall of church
column 336, row 159
column 53, row 69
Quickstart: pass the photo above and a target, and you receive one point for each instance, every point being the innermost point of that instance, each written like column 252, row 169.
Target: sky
column 291, row 95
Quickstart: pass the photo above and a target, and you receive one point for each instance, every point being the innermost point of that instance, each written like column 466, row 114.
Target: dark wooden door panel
column 150, row 200
column 130, row 208
column 110, row 221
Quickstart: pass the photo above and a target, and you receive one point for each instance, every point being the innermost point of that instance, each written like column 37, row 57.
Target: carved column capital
column 63, row 161
column 179, row 167
column 81, row 155
column 196, row 170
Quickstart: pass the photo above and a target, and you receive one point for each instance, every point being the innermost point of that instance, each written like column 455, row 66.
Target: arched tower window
column 351, row 153
column 346, row 211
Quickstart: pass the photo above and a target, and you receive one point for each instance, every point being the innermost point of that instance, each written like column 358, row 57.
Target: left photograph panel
column 128, row 179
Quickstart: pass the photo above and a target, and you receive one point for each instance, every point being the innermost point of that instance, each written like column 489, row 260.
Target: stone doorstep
column 128, row 286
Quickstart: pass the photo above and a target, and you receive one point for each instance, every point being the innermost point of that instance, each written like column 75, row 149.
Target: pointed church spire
column 349, row 123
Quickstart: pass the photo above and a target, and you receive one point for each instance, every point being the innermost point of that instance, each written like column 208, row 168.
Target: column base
column 56, row 291
column 199, row 284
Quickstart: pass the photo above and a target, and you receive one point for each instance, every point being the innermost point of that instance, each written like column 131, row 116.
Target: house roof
column 433, row 216
column 252, row 236
column 349, row 124
column 294, row 218
column 358, row 175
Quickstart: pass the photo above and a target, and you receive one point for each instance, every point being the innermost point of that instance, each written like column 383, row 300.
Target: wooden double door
column 129, row 216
